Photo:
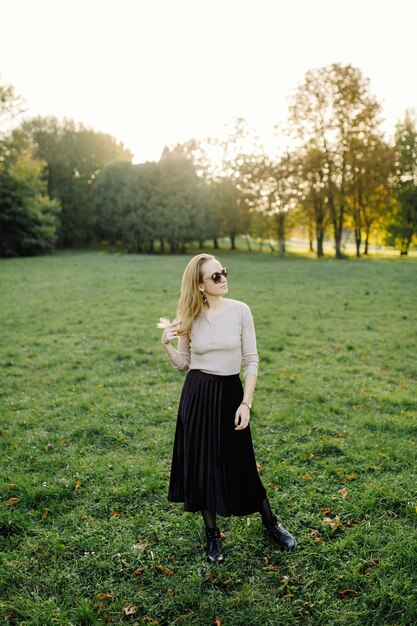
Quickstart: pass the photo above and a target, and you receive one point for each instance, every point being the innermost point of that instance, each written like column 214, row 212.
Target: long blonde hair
column 190, row 304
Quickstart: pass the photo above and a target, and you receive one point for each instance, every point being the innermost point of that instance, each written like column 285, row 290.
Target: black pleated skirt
column 213, row 465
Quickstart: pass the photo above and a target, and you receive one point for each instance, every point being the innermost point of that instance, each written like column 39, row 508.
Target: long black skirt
column 213, row 465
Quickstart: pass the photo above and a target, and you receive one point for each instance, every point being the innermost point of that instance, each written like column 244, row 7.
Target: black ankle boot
column 281, row 536
column 214, row 550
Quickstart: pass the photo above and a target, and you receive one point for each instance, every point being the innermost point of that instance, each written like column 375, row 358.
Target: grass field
column 88, row 409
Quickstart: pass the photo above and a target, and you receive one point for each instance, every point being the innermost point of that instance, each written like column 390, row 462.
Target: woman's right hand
column 170, row 333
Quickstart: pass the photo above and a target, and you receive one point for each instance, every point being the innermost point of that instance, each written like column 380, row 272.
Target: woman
column 213, row 464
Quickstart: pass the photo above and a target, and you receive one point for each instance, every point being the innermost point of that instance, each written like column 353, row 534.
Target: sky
column 158, row 72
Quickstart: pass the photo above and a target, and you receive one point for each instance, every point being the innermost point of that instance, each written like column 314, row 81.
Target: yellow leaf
column 104, row 596
column 306, row 477
column 151, row 621
column 258, row 467
column 115, row 513
column 343, row 492
column 139, row 571
column 13, row 500
column 12, row 485
column 45, row 514
column 164, row 570
column 77, row 485
column 217, row 621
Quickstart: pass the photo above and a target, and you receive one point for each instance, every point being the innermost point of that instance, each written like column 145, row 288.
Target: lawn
column 88, row 407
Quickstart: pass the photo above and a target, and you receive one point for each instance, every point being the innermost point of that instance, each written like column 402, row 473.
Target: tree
column 402, row 226
column 330, row 108
column 75, row 156
column 372, row 164
column 28, row 218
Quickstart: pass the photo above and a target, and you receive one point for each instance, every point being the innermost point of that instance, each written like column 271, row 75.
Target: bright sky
column 157, row 72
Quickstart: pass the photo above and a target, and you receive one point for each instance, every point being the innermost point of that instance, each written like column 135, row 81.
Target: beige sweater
column 220, row 345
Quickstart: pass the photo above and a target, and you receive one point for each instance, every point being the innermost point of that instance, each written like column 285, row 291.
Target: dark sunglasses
column 217, row 276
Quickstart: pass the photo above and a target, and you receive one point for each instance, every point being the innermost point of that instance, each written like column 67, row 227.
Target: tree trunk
column 162, row 245
column 201, row 243
column 367, row 233
column 281, row 233
column 338, row 242
column 319, row 238
column 215, row 243
column 233, row 242
column 358, row 241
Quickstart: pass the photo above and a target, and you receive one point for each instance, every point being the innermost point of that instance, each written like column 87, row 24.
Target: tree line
column 62, row 184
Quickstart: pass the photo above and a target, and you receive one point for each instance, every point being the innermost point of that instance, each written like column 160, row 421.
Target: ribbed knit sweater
column 220, row 345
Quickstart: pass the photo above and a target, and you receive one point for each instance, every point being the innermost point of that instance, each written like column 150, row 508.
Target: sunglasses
column 217, row 276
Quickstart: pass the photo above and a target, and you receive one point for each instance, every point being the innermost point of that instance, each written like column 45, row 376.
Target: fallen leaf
column 273, row 485
column 12, row 485
column 45, row 514
column 77, row 485
column 130, row 609
column 115, row 513
column 13, row 500
column 346, row 593
column 139, row 571
column 164, row 570
column 217, row 621
column 258, row 467
column 270, row 568
column 48, row 445
column 343, row 492
column 310, row 455
column 313, row 532
column 334, row 523
column 151, row 620
column 181, row 617
column 306, row 477
column 141, row 545
column 266, row 560
column 63, row 442
column 318, row 540
column 351, row 522
column 325, row 510
column 104, row 596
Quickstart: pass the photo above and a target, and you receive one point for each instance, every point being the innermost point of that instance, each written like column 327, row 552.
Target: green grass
column 88, row 408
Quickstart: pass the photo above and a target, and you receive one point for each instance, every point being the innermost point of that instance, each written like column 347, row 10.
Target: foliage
column 89, row 404
column 28, row 217
column 402, row 226
column 75, row 156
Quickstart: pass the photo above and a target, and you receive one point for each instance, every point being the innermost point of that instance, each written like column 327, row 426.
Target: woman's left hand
column 242, row 417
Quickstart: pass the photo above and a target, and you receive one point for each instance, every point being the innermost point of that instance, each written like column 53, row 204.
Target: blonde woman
column 213, row 463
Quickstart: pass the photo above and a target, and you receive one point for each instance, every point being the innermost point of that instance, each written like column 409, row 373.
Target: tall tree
column 330, row 108
column 402, row 226
column 28, row 217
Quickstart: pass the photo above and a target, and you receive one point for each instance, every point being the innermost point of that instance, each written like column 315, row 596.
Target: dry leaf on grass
column 217, row 621
column 77, row 485
column 104, row 596
column 130, row 609
column 348, row 593
column 45, row 514
column 139, row 571
column 164, row 570
column 343, row 492
column 306, row 477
